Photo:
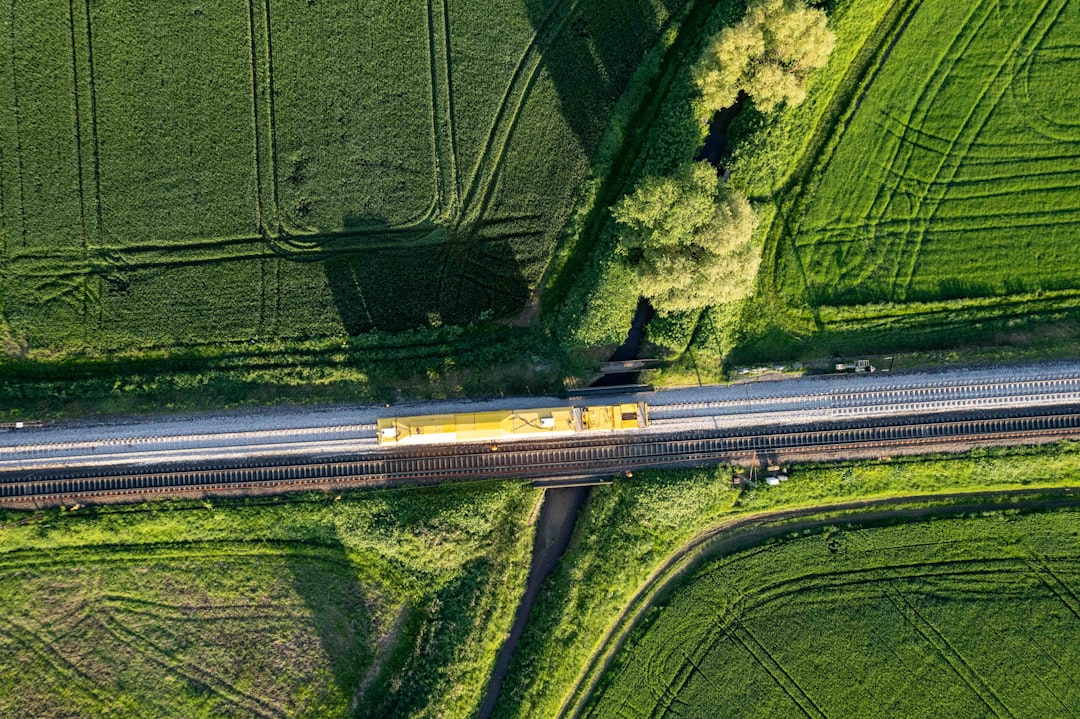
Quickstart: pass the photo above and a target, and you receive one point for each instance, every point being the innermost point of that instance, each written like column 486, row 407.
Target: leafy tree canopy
column 768, row 54
column 687, row 237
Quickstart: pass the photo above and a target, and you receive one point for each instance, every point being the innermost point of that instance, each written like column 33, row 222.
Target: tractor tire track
column 930, row 202
column 740, row 532
column 482, row 182
column 18, row 125
column 776, row 670
column 949, row 654
column 442, row 110
column 260, row 224
column 156, row 654
column 56, row 661
column 272, row 117
column 880, row 250
column 85, row 309
column 94, row 125
column 1065, row 594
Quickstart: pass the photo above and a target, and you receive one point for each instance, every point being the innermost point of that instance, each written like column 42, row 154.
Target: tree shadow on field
column 592, row 57
column 329, row 587
column 435, row 276
column 426, row 279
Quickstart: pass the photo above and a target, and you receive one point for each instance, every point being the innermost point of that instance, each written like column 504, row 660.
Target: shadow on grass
column 592, row 58
column 452, row 279
column 329, row 586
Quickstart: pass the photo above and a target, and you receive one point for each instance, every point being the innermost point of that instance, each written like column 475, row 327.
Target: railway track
column 574, row 457
column 887, row 398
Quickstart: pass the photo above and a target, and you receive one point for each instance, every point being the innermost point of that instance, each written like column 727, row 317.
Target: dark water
column 554, row 528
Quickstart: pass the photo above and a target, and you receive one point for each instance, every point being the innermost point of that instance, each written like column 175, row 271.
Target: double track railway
column 552, row 459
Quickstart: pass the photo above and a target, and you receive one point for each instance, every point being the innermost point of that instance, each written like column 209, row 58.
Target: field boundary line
column 934, row 637
column 729, row 533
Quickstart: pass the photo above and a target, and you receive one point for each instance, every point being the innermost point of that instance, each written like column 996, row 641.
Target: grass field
column 975, row 616
column 972, row 186
column 379, row 604
column 923, row 197
column 228, row 170
column 628, row 531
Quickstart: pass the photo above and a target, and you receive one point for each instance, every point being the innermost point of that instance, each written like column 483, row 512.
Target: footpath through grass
column 378, row 604
column 967, row 616
column 630, row 528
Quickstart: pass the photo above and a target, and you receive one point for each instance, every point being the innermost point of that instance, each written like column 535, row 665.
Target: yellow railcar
column 510, row 424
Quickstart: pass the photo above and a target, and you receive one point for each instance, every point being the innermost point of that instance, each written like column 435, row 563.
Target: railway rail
column 573, row 457
column 946, row 395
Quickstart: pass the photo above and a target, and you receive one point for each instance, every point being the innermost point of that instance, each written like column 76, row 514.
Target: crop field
column 974, row 616
column 954, row 173
column 376, row 604
column 231, row 169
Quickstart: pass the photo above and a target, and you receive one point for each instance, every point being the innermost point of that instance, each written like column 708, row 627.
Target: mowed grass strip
column 956, row 174
column 966, row 617
column 378, row 604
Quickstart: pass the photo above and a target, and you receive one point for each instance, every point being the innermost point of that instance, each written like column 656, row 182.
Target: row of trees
column 686, row 236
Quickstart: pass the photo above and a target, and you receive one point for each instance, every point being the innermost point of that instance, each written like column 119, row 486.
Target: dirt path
column 740, row 533
column 558, row 516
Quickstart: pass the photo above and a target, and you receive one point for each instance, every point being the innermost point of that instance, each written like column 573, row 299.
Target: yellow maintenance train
column 510, row 424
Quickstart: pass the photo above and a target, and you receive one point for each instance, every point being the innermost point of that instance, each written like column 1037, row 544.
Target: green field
column 630, row 531
column 976, row 616
column 955, row 175
column 377, row 604
column 226, row 170
column 922, row 198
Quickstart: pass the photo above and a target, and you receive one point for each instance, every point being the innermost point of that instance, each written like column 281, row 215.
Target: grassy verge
column 631, row 527
column 440, row 363
column 375, row 604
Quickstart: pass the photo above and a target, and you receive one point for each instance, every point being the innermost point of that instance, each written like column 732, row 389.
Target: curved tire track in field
column 822, row 145
column 193, row 675
column 879, row 252
column 744, row 532
column 929, row 203
column 506, row 117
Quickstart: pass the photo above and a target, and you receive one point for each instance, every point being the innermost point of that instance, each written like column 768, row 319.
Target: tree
column 768, row 54
column 687, row 238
